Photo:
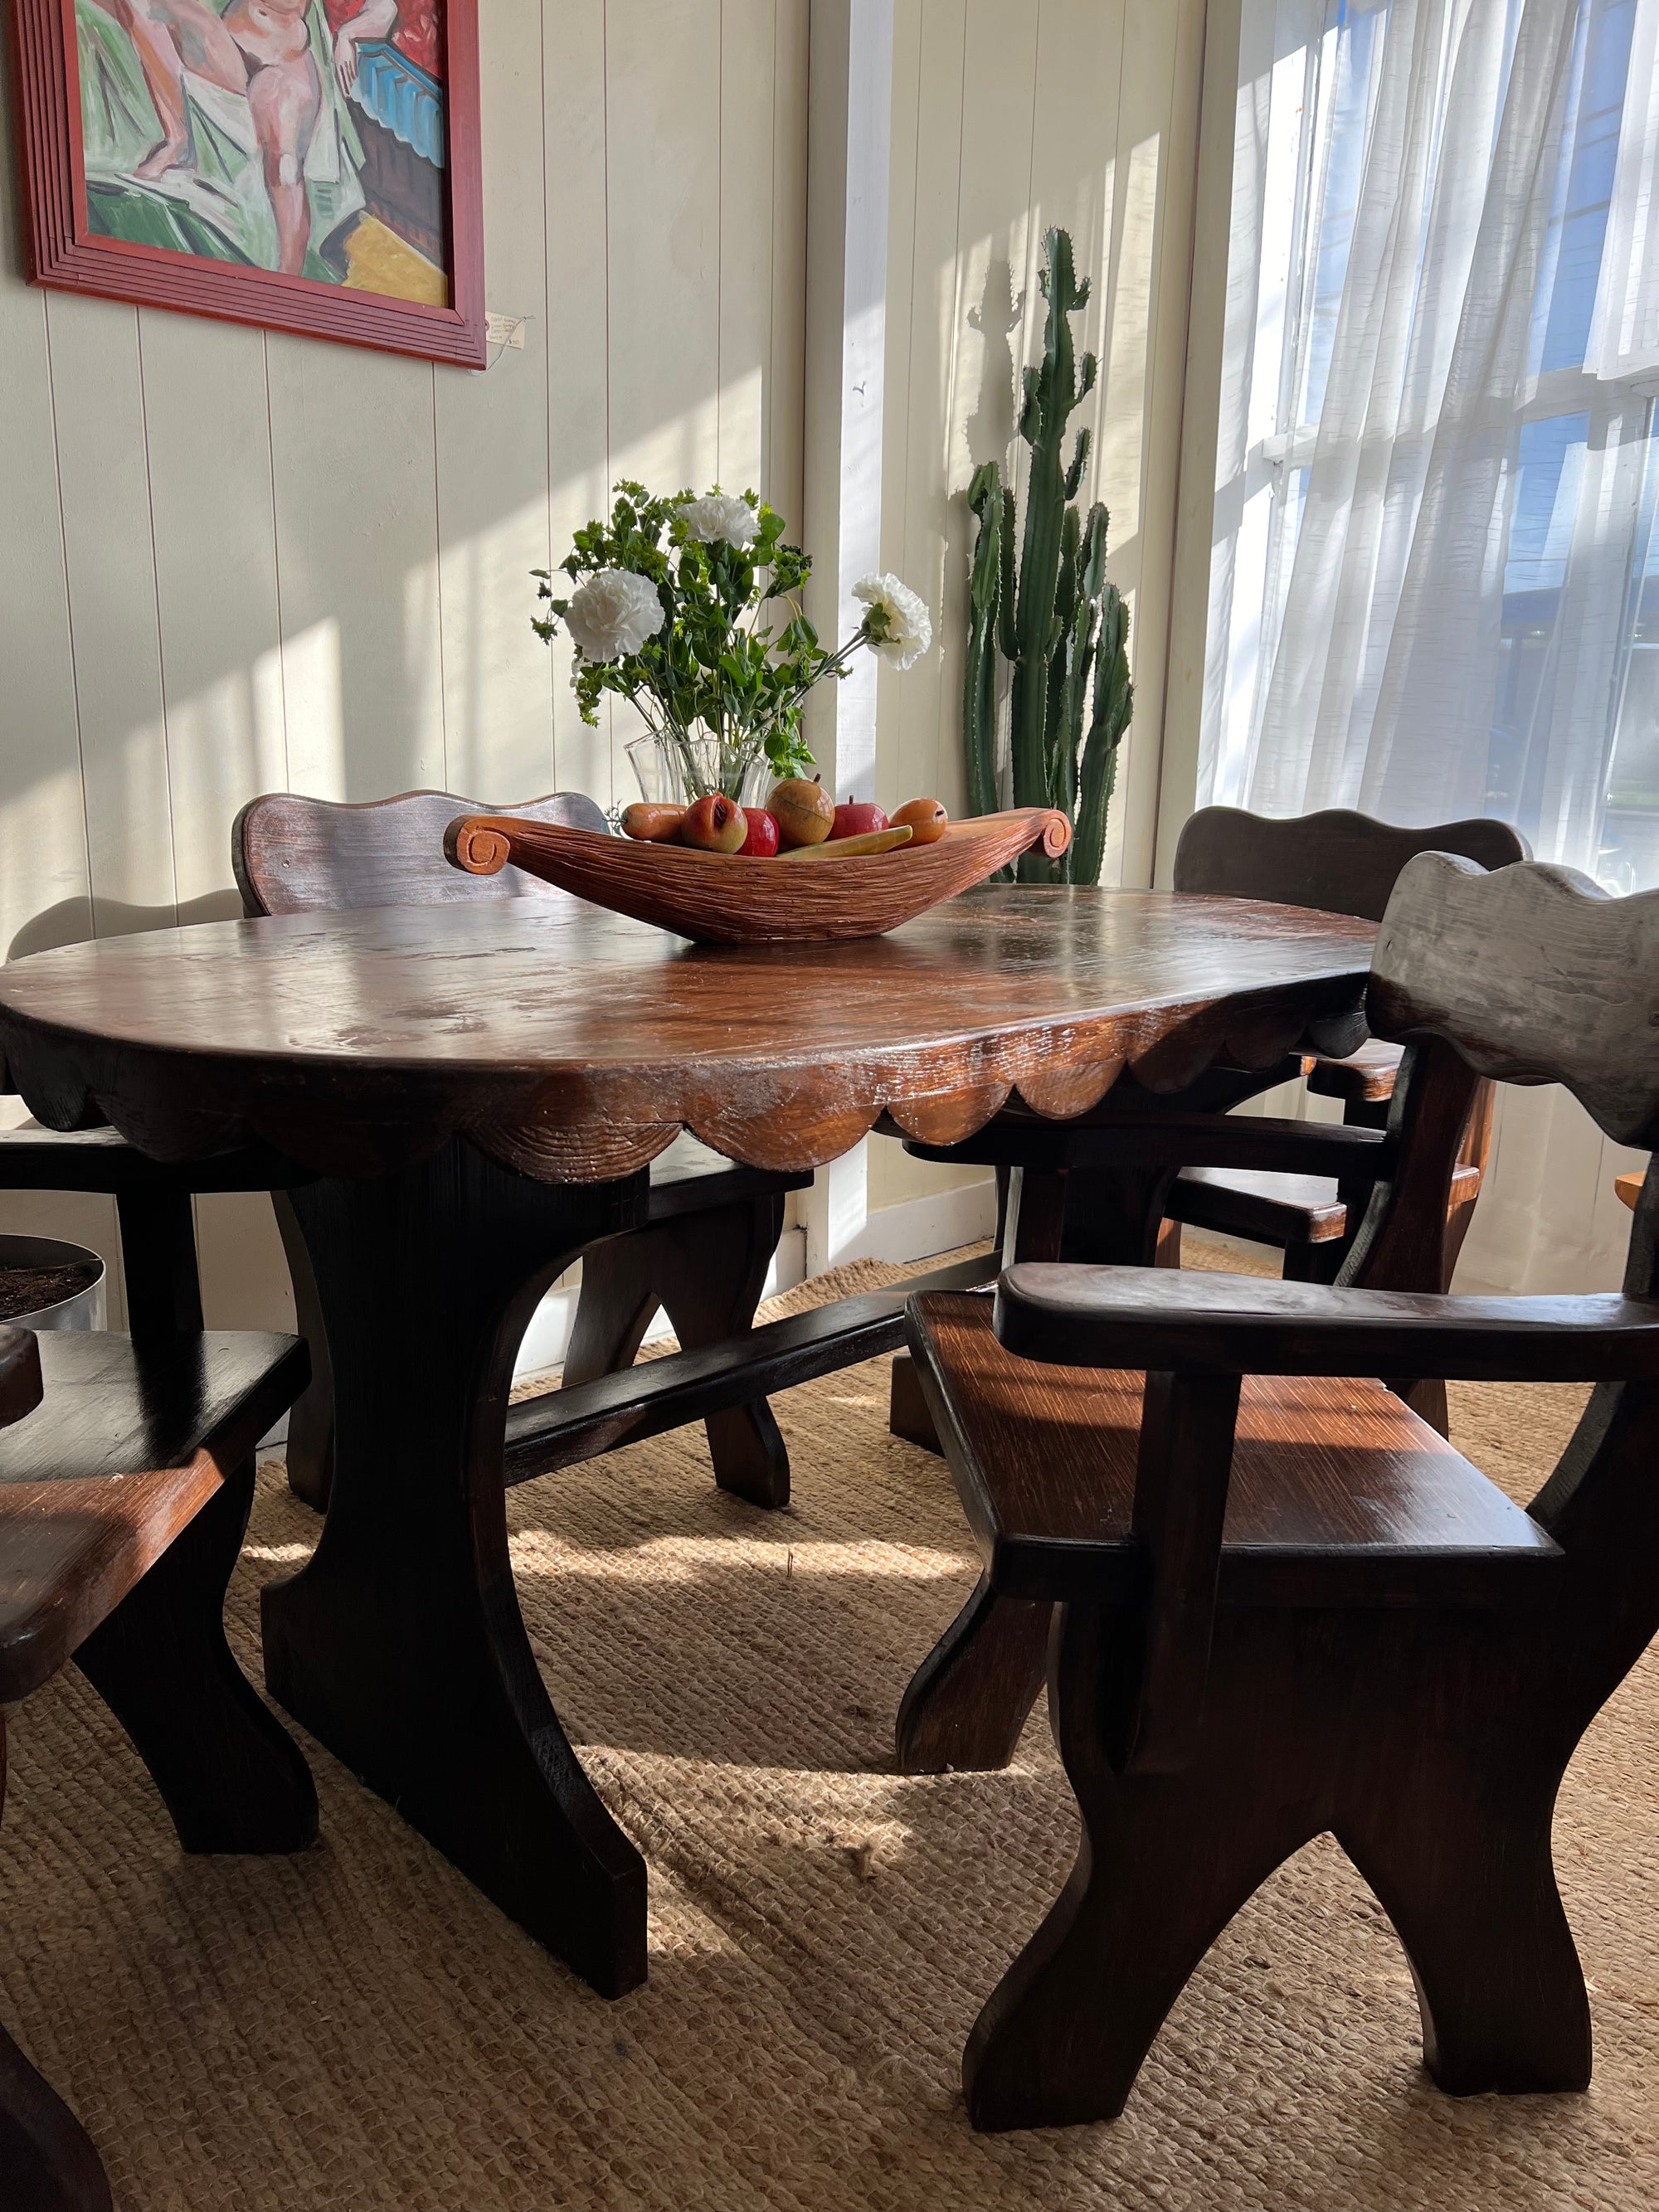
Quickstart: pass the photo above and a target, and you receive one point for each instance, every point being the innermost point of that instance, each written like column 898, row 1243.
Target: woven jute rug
column 358, row 2027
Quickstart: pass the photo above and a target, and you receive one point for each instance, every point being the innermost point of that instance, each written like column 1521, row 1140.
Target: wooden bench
column 1282, row 1604
column 126, row 1475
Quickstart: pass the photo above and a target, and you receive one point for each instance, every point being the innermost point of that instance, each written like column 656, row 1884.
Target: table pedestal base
column 400, row 1644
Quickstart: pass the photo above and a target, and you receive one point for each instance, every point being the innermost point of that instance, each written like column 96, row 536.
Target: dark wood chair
column 127, row 1472
column 715, row 1225
column 1284, row 1605
column 1337, row 863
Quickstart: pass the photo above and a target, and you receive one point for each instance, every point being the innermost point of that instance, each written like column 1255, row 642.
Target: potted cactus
column 1054, row 619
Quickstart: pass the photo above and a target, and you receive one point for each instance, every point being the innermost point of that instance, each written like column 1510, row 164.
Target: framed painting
column 302, row 164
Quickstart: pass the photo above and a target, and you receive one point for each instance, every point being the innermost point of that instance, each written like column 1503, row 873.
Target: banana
column 852, row 848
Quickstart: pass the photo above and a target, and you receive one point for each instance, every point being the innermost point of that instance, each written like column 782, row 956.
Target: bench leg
column 707, row 1271
column 1166, row 1862
column 47, row 2163
column 232, row 1777
column 1460, row 1860
column 971, row 1698
column 969, row 1701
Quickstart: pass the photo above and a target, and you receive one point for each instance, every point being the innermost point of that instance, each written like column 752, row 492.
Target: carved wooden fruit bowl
column 717, row 898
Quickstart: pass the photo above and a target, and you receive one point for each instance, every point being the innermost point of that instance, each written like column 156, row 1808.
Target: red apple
column 715, row 824
column 859, row 818
column 761, row 843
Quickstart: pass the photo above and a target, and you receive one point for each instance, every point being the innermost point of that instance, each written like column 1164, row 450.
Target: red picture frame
column 67, row 251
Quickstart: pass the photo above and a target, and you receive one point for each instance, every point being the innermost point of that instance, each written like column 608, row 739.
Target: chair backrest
column 1534, row 975
column 298, row 855
column 1337, row 862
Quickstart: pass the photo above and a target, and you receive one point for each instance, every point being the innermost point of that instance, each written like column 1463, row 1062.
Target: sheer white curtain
column 1434, row 509
column 1433, row 587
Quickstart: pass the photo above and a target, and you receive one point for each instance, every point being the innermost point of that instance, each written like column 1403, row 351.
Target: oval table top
column 574, row 1044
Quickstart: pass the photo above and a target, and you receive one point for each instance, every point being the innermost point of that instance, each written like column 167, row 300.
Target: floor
column 357, row 2028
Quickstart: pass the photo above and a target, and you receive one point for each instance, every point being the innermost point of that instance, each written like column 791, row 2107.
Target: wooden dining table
column 475, row 1094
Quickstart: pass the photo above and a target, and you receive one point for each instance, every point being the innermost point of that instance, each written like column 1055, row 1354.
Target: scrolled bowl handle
column 474, row 844
column 1053, row 833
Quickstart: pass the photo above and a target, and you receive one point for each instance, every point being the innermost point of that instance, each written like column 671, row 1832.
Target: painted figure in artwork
column 302, row 136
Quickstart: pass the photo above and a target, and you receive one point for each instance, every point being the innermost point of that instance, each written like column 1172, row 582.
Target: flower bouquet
column 690, row 609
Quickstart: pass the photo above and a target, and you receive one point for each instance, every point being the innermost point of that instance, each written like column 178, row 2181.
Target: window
column 1435, row 579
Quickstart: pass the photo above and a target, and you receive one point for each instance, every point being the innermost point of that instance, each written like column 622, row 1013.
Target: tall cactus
column 1062, row 628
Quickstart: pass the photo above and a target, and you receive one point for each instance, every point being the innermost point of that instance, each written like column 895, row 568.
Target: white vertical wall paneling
column 99, row 407
column 662, row 230
column 215, row 584
column 748, row 68
column 785, row 416
column 574, row 132
column 852, row 80
column 492, row 453
column 890, row 687
column 357, row 552
column 928, row 153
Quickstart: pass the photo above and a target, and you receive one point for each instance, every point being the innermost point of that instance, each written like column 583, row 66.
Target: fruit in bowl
column 798, row 821
column 715, row 824
column 653, row 825
column 925, row 818
column 857, row 818
column 804, row 811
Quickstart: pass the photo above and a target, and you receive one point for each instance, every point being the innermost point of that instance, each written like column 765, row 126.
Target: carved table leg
column 970, row 1700
column 47, row 2163
column 232, row 1777
column 708, row 1271
column 310, row 1417
column 158, row 1262
column 400, row 1644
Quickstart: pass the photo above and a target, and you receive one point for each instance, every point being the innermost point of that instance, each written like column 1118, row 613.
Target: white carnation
column 721, row 517
column 898, row 625
column 612, row 614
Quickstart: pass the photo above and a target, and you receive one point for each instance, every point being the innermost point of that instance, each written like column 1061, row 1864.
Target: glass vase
column 673, row 771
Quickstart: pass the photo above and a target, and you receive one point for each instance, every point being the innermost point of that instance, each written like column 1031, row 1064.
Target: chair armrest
column 1083, row 1316
column 1366, row 1077
column 1257, row 1142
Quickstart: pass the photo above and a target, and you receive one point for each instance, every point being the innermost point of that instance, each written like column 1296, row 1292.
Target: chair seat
column 1367, row 1076
column 1283, row 1210
column 126, row 1447
column 1340, row 1495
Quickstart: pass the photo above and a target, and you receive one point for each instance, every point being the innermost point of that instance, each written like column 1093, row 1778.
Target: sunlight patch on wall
column 223, row 744
column 313, row 694
column 43, row 867
column 1123, row 407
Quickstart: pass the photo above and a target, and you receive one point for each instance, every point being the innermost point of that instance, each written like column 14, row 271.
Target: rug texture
column 356, row 2028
